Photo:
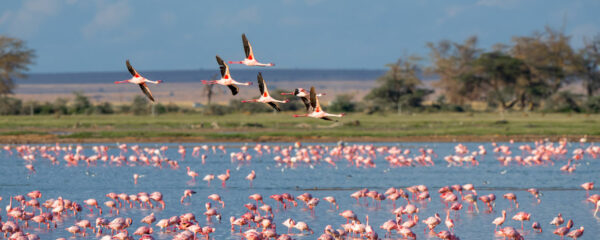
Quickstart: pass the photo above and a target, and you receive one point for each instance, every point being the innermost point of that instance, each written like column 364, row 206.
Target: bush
column 593, row 104
column 215, row 109
column 343, row 103
column 10, row 106
column 140, row 105
column 81, row 104
column 104, row 108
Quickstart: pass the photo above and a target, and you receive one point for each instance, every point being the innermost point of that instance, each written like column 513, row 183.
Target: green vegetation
column 283, row 127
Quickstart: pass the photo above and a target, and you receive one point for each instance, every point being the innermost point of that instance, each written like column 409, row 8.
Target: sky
column 97, row 35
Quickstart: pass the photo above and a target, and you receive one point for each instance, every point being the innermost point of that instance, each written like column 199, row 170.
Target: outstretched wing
column 224, row 68
column 146, row 91
column 273, row 105
column 247, row 47
column 131, row 69
column 306, row 103
column 234, row 89
column 262, row 86
column 313, row 98
column 328, row 119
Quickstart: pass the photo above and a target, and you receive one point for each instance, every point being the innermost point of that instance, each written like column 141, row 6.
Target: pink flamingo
column 139, row 80
column 521, row 216
column 317, row 111
column 250, row 60
column 226, row 79
column 224, row 177
column 191, row 173
column 251, row 177
column 187, row 193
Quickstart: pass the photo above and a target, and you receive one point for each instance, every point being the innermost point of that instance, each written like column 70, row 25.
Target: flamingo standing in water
column 224, row 177
column 226, row 79
column 191, row 173
column 303, row 95
column 139, row 80
column 265, row 97
column 250, row 60
column 317, row 111
column 251, row 177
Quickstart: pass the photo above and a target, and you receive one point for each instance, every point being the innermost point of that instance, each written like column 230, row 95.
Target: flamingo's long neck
column 236, row 62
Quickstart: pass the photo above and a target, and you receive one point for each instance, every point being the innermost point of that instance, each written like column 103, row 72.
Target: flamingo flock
column 381, row 212
column 228, row 81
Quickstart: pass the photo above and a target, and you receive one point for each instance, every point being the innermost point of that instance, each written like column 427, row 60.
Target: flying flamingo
column 303, row 95
column 265, row 97
column 250, row 60
column 317, row 111
column 226, row 79
column 139, row 80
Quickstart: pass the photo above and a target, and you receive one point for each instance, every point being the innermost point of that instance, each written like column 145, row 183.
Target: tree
column 450, row 61
column 588, row 65
column 550, row 60
column 15, row 58
column 399, row 86
column 495, row 76
column 209, row 91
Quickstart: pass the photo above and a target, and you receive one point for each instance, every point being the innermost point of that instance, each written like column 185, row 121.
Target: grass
column 283, row 127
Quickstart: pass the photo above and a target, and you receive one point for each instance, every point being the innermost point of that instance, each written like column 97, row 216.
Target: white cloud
column 107, row 18
column 25, row 21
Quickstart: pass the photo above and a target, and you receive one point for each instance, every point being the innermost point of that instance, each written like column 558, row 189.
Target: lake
column 561, row 191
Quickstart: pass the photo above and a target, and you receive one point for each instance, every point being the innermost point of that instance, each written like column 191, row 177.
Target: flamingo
column 558, row 220
column 250, row 60
column 191, row 173
column 499, row 220
column 224, row 177
column 226, row 79
column 265, row 97
column 208, row 178
column 187, row 193
column 317, row 111
column 139, row 80
column 251, row 177
column 576, row 233
column 521, row 216
column 303, row 95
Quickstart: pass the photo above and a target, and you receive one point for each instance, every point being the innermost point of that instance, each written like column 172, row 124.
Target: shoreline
column 51, row 139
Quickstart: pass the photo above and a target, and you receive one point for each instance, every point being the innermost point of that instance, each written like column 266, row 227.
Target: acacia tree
column 399, row 86
column 15, row 58
column 496, row 76
column 588, row 63
column 551, row 63
column 451, row 61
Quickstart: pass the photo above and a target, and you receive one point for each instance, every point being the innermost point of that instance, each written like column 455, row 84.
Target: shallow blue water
column 561, row 191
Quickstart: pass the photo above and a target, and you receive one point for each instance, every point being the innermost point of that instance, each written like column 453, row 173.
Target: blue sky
column 95, row 35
